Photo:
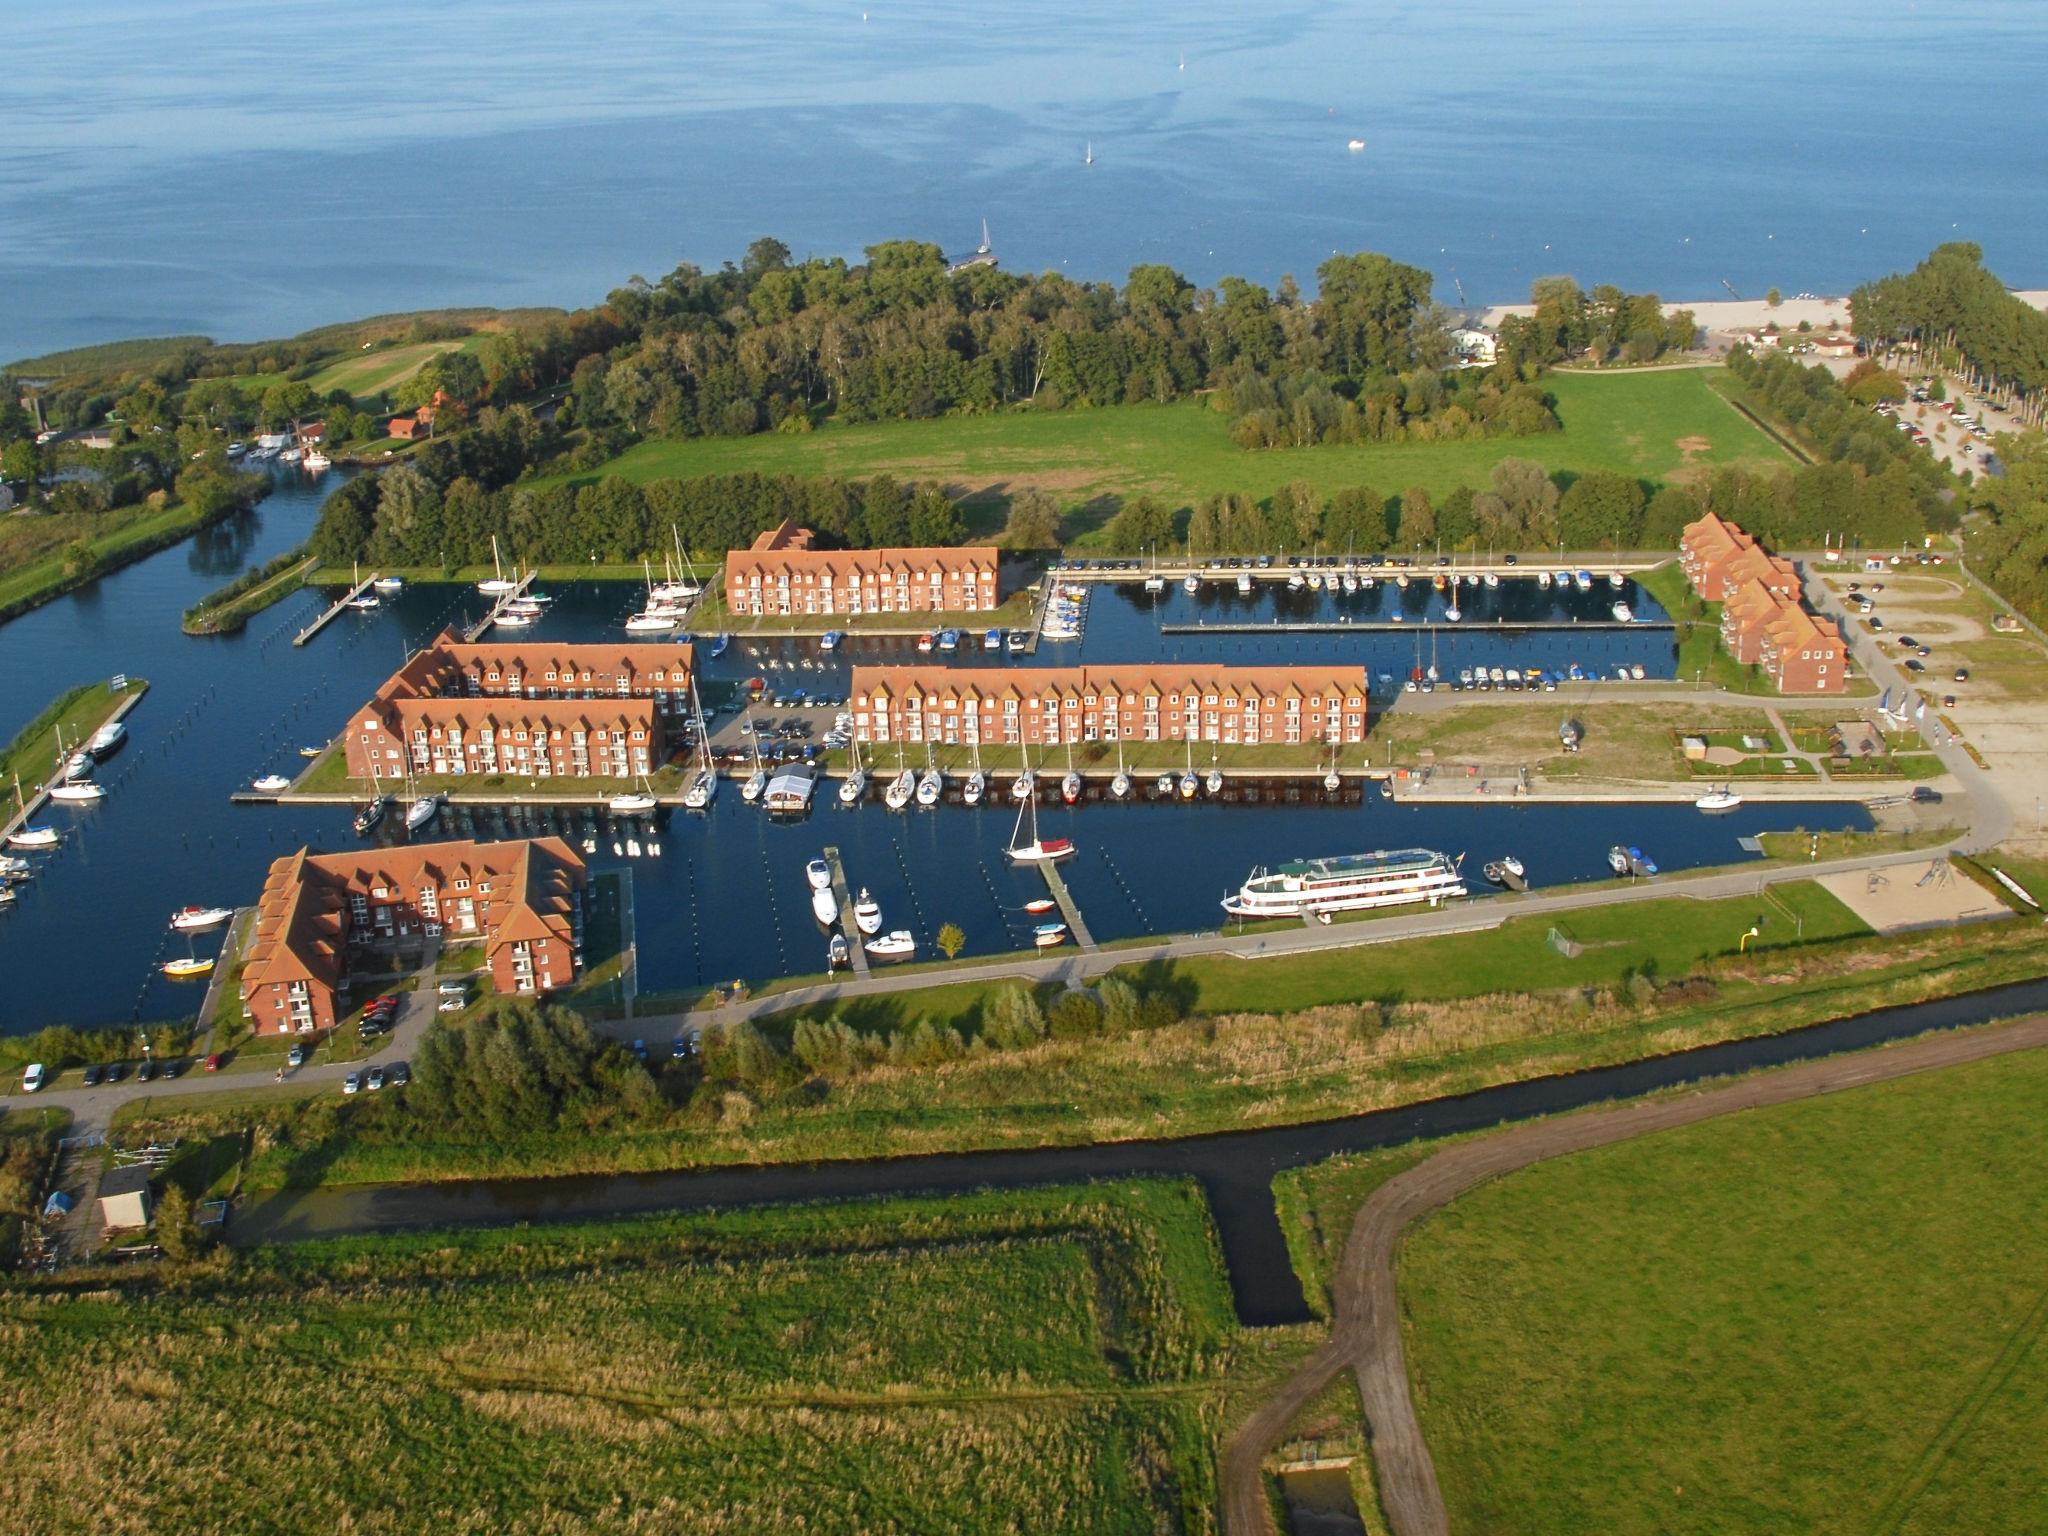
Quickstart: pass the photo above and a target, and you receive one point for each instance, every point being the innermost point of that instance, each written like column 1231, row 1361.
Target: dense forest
column 1951, row 307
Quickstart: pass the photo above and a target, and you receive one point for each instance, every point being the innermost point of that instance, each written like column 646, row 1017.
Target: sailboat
column 657, row 616
column 1212, row 781
column 1026, row 783
column 704, row 782
column 902, row 787
column 932, row 783
column 1089, row 157
column 75, row 786
column 1070, row 783
column 1333, row 780
column 422, row 811
column 499, row 584
column 199, row 919
column 1120, row 786
column 1188, row 782
column 855, row 784
column 634, row 803
column 757, row 781
column 977, row 781
column 1035, row 849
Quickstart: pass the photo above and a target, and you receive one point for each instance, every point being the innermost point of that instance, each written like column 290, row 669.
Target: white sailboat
column 757, row 781
column 657, row 617
column 855, row 784
column 977, row 781
column 499, row 584
column 1188, row 782
column 704, row 782
column 634, row 803
column 1070, row 783
column 1120, row 786
column 900, row 789
column 1026, row 783
column 932, row 783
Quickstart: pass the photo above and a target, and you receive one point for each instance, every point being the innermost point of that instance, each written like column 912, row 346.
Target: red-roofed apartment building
column 524, row 709
column 781, row 574
column 1762, row 621
column 318, row 912
column 1804, row 654
column 1231, row 706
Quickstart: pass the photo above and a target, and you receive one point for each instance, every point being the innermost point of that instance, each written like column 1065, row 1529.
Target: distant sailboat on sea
column 1089, row 157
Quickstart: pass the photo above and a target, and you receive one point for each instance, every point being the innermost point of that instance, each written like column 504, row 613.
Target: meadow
column 1656, row 426
column 1822, row 1317
column 1044, row 1360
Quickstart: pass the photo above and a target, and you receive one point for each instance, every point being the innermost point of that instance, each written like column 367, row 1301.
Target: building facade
column 1060, row 706
column 1763, row 622
column 319, row 913
column 524, row 710
column 783, row 576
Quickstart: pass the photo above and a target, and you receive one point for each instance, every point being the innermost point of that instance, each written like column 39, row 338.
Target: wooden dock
column 1068, row 909
column 335, row 612
column 28, row 807
column 847, row 926
column 482, row 626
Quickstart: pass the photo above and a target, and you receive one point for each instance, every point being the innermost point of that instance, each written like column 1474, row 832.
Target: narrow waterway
column 721, row 896
column 1236, row 1169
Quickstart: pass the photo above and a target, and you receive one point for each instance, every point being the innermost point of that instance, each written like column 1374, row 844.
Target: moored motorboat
column 637, row 803
column 899, row 944
column 107, row 738
column 1244, row 584
column 33, row 837
column 867, row 912
column 1615, row 579
column 1722, row 799
column 1347, row 882
column 1163, row 785
column 1617, row 859
column 199, row 919
column 1047, row 935
column 389, row 584
column 271, row 784
column 819, row 875
column 1042, row 904
column 1622, row 613
column 824, row 908
column 829, row 641
column 838, row 954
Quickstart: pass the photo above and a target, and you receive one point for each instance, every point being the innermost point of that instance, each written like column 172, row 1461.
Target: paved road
column 1366, row 1335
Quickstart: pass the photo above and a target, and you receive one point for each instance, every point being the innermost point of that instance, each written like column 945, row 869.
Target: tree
column 1774, row 298
column 951, row 940
column 1666, row 517
column 177, row 1233
column 1034, row 521
column 285, row 402
column 1074, row 1015
column 766, row 254
column 934, row 519
column 1602, row 509
column 1143, row 523
column 21, row 460
column 1418, row 518
column 81, row 560
column 1531, row 498
column 1012, row 1019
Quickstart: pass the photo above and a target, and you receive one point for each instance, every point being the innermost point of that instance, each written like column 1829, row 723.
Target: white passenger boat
column 1722, row 799
column 867, row 912
column 819, row 875
column 272, row 784
column 898, row 945
column 388, row 584
column 1347, row 883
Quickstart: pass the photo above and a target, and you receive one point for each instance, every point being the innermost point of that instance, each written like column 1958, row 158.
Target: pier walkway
column 335, row 610
column 1069, row 908
column 35, row 802
column 482, row 626
column 841, row 895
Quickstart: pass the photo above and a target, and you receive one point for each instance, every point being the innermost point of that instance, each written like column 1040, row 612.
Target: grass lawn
column 1628, row 422
column 1823, row 1317
column 364, row 374
column 1060, row 1359
column 32, row 547
column 77, row 713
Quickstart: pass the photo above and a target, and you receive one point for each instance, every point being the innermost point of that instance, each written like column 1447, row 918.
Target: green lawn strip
column 77, row 713
column 117, row 538
column 1630, row 423
column 1669, row 937
column 1197, row 1076
column 1032, row 1360
column 1823, row 1316
column 230, row 608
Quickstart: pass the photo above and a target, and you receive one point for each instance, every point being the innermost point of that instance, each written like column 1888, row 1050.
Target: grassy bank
column 227, row 610
column 1204, row 1073
column 117, row 538
column 76, row 714
column 1823, row 1316
column 1633, row 423
column 1046, row 1360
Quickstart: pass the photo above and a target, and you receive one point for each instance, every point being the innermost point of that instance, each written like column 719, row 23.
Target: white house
column 1476, row 346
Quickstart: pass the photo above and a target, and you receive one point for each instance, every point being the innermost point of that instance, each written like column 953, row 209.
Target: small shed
column 1694, row 748
column 124, row 1197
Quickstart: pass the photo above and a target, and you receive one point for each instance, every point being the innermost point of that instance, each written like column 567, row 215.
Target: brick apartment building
column 525, row 709
column 782, row 575
column 1231, row 706
column 1763, row 622
column 319, row 912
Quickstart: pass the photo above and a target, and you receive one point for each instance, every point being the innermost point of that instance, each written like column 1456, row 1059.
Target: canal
column 719, row 896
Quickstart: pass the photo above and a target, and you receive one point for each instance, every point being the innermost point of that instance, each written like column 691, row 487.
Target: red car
column 213, row 1062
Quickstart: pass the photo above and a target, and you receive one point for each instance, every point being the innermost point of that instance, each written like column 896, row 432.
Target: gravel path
column 1367, row 1334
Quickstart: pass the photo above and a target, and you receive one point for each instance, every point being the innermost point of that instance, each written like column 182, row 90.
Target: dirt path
column 1367, row 1333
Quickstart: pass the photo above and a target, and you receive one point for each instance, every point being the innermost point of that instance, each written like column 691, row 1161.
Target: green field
column 1634, row 423
column 372, row 373
column 32, row 547
column 33, row 754
column 1823, row 1317
column 1033, row 1361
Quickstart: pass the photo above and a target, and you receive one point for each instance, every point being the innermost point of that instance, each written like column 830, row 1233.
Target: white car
column 352, row 1083
column 450, row 1005
column 32, row 1080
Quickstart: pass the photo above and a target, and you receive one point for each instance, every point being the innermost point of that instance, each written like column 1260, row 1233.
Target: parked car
column 352, row 1083
column 453, row 988
column 398, row 1074
column 116, row 1070
column 33, row 1077
column 174, row 1067
column 214, row 1062
column 92, row 1076
column 450, row 1005
column 146, row 1073
column 640, row 1049
column 295, row 1057
column 1915, row 666
column 681, row 1048
column 1924, row 794
column 375, row 1079
column 1962, row 674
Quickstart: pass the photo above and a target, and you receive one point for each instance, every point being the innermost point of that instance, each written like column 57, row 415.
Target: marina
column 725, row 896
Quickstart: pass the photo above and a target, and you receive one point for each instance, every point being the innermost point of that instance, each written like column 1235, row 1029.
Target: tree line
column 1951, row 303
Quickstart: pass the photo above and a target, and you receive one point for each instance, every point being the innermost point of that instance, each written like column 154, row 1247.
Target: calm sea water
column 243, row 170
column 725, row 895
